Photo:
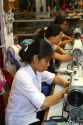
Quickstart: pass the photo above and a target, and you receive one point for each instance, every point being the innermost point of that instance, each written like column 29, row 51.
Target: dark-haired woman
column 53, row 35
column 25, row 97
column 62, row 22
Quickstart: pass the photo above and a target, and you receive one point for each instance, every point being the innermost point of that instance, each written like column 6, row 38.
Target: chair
column 11, row 56
column 8, row 76
column 4, row 96
column 12, row 53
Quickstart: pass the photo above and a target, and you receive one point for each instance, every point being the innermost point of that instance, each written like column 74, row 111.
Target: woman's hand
column 64, row 91
column 58, row 79
column 66, row 84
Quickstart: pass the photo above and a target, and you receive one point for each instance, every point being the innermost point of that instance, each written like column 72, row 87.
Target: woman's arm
column 64, row 36
column 53, row 99
column 61, row 57
column 58, row 79
column 64, row 42
column 60, row 50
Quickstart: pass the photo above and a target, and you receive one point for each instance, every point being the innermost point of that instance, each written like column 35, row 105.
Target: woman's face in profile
column 64, row 25
column 56, row 39
column 40, row 65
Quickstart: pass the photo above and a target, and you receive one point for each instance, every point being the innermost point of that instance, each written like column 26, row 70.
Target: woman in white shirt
column 25, row 96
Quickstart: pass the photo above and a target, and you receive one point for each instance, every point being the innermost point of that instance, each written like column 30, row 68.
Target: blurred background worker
column 62, row 22
column 53, row 35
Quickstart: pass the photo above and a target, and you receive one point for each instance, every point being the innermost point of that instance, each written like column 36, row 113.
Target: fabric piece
column 26, row 42
column 2, row 79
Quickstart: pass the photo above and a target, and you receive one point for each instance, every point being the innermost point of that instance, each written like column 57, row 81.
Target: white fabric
column 25, row 96
column 16, row 49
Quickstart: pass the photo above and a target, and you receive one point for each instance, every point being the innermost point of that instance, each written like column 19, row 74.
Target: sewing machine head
column 77, row 51
column 75, row 95
column 74, row 99
column 77, row 33
column 77, row 48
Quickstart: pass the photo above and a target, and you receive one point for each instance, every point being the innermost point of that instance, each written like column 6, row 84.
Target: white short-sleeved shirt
column 25, row 97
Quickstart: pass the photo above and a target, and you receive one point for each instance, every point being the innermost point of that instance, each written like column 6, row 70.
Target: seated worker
column 53, row 36
column 25, row 96
column 62, row 22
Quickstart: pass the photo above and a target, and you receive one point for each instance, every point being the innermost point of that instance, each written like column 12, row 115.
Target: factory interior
column 41, row 62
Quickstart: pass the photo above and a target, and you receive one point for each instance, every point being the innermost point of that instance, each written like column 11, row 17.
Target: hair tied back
column 26, row 47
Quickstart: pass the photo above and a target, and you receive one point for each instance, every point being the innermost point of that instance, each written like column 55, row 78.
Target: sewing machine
column 73, row 101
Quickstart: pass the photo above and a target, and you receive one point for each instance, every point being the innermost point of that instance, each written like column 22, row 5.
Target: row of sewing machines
column 73, row 101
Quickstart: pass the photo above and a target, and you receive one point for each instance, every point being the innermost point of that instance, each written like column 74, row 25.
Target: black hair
column 52, row 30
column 40, row 35
column 41, row 48
column 59, row 20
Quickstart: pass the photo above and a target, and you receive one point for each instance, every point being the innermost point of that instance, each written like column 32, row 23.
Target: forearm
column 62, row 57
column 66, row 36
column 60, row 50
column 66, row 58
column 53, row 99
column 59, row 80
column 64, row 42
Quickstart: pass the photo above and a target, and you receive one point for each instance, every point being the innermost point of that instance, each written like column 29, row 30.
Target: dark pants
column 40, row 116
column 2, row 122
